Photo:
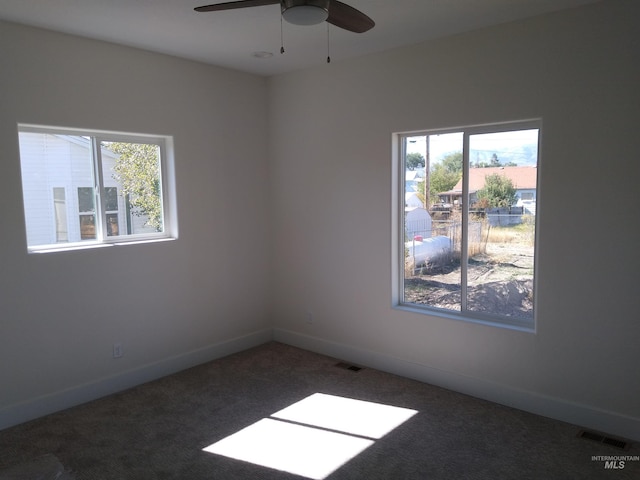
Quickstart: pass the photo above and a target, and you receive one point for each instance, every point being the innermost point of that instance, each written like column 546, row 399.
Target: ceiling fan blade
column 232, row 5
column 343, row 16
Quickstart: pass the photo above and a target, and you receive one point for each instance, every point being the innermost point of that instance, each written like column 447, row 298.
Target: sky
column 508, row 146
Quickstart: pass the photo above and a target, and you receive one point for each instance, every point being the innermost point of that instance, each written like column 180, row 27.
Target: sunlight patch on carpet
column 305, row 451
column 356, row 417
column 313, row 437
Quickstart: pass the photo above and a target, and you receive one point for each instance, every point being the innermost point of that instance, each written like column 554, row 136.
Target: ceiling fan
column 306, row 12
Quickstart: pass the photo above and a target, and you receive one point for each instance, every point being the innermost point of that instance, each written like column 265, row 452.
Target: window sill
column 510, row 324
column 95, row 245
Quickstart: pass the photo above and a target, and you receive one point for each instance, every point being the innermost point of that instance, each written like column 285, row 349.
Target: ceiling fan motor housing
column 305, row 12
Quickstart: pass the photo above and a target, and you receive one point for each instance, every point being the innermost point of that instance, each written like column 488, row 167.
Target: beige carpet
column 160, row 430
column 46, row 467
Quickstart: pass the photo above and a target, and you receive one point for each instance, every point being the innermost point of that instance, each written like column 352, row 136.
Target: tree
column 443, row 180
column 493, row 162
column 414, row 161
column 452, row 162
column 137, row 169
column 445, row 175
column 498, row 191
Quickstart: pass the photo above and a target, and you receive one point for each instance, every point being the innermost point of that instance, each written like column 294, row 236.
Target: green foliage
column 414, row 161
column 446, row 174
column 498, row 191
column 452, row 162
column 137, row 169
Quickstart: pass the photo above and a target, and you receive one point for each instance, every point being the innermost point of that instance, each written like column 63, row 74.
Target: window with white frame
column 83, row 188
column 465, row 222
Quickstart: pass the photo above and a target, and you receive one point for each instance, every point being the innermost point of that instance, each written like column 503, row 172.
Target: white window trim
column 398, row 228
column 167, row 176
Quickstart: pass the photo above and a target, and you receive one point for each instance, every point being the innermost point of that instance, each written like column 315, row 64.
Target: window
column 466, row 222
column 87, row 211
column 111, row 207
column 527, row 196
column 107, row 188
column 60, row 211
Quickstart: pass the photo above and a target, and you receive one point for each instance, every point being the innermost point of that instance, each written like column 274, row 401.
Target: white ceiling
column 230, row 38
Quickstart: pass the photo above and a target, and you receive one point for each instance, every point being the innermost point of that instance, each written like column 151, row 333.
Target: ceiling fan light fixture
column 305, row 13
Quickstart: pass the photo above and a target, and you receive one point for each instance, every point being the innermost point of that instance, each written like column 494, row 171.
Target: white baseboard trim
column 46, row 404
column 566, row 411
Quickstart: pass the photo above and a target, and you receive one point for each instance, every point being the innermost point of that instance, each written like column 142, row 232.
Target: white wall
column 578, row 70
column 171, row 304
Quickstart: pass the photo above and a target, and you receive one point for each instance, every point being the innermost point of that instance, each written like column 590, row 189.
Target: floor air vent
column 600, row 438
column 346, row 366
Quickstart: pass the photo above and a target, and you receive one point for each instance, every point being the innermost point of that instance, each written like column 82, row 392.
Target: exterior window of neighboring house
column 465, row 223
column 87, row 212
column 111, row 208
column 60, row 212
column 526, row 196
column 122, row 186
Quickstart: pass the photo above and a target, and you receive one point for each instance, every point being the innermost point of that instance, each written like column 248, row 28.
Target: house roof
column 414, row 174
column 523, row 178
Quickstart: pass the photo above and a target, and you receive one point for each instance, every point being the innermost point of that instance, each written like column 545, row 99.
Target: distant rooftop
column 521, row 177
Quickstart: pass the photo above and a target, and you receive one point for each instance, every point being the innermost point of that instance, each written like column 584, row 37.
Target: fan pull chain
column 328, row 45
column 281, row 37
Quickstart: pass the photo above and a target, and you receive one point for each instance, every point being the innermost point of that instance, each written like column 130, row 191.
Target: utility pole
column 427, row 180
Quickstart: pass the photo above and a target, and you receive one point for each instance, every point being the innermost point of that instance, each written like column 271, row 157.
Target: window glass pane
column 48, row 162
column 86, row 199
column 111, row 199
column 87, row 227
column 433, row 228
column 112, row 224
column 132, row 170
column 87, row 207
column 502, row 191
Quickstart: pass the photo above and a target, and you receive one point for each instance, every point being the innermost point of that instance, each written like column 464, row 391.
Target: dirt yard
column 500, row 281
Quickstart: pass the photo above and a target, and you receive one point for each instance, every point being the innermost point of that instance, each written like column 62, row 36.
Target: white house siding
column 50, row 161
column 529, row 203
column 417, row 221
column 411, row 200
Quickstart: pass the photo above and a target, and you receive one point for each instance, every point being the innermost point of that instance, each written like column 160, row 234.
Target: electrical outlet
column 309, row 317
column 118, row 350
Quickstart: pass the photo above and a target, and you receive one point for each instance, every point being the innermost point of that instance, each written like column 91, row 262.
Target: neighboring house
column 523, row 178
column 412, row 200
column 59, row 191
column 415, row 176
column 412, row 179
column 417, row 221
